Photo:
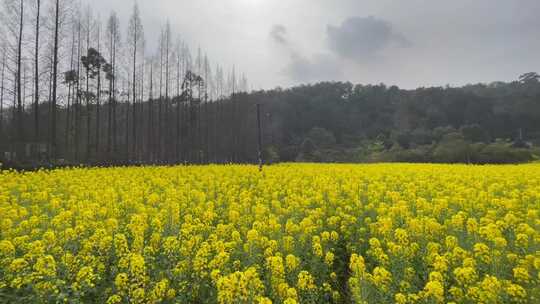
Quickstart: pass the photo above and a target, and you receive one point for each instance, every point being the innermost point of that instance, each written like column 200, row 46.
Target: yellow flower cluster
column 302, row 233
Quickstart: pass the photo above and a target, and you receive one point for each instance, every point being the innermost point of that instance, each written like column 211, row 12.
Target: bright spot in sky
column 251, row 2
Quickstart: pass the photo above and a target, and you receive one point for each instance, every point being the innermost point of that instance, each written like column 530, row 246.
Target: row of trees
column 72, row 88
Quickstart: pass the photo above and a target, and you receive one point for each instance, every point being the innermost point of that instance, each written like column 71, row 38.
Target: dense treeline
column 495, row 123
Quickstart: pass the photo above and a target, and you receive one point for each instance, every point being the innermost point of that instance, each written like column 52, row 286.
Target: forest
column 75, row 91
column 342, row 122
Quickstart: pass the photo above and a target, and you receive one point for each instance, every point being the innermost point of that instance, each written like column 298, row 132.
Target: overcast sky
column 407, row 43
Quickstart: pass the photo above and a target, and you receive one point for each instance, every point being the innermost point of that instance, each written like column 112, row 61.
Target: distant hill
column 336, row 121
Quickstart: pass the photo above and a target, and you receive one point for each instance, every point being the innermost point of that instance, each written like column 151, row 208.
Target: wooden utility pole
column 259, row 137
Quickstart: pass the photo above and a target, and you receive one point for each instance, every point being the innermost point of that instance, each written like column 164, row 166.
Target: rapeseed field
column 298, row 233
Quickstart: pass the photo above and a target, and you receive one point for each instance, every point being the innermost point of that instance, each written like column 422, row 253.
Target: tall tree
column 178, row 99
column 113, row 32
column 2, row 93
column 98, row 86
column 220, row 93
column 135, row 39
column 16, row 11
column 78, row 91
column 206, row 113
column 167, row 38
column 243, row 85
column 55, row 78
column 206, row 73
column 140, row 149
column 36, row 72
column 150, row 131
column 127, row 93
column 161, row 140
column 87, row 93
column 70, row 79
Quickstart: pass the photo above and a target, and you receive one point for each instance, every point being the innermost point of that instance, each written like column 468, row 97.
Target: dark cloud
column 302, row 68
column 357, row 38
column 320, row 67
column 279, row 34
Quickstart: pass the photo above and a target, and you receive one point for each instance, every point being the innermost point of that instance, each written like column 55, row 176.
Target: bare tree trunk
column 140, row 147
column 215, row 121
column 134, row 94
column 236, row 118
column 98, row 95
column 109, row 109
column 87, row 93
column 160, row 128
column 20, row 138
column 178, row 104
column 76, row 138
column 150, row 114
column 127, row 120
column 55, row 79
column 192, row 120
column 49, row 108
column 24, row 90
column 13, row 138
column 69, row 101
column 115, row 103
column 167, row 46
column 36, row 75
column 2, row 95
column 68, row 121
column 206, row 111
